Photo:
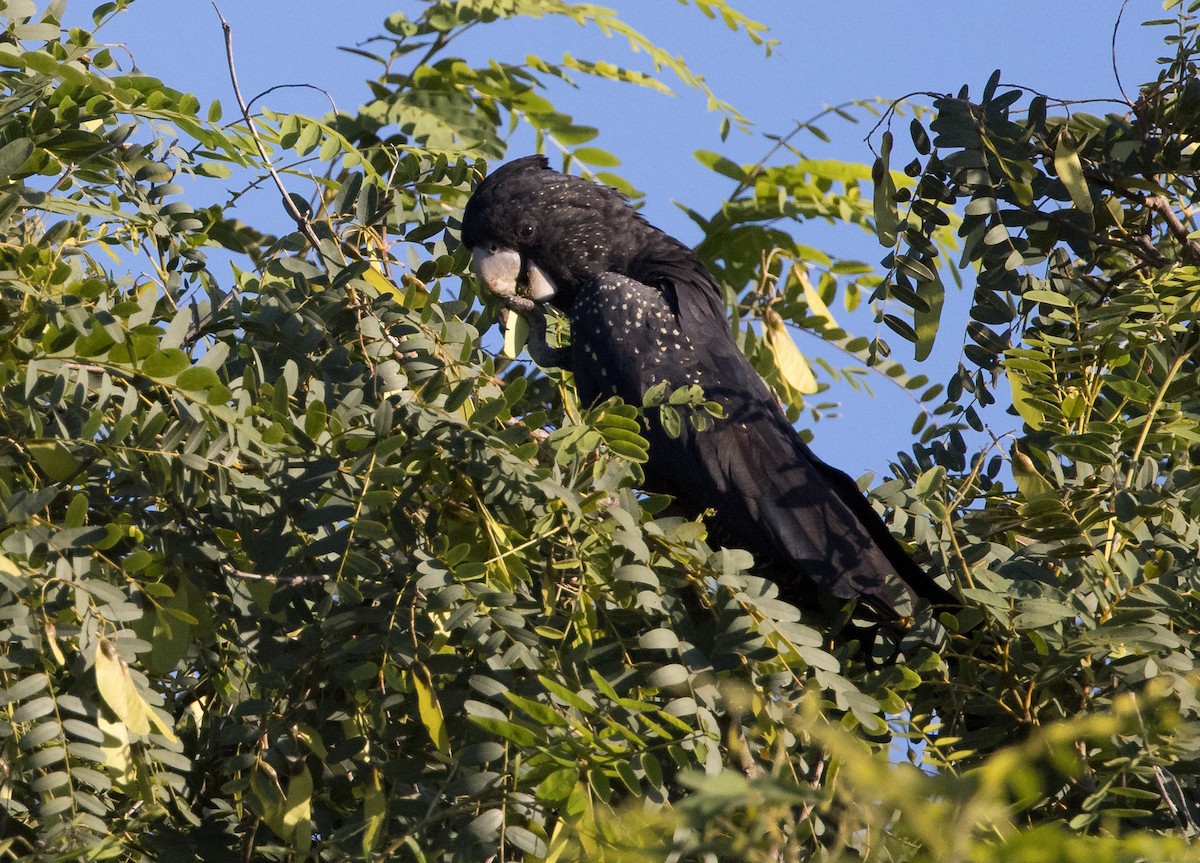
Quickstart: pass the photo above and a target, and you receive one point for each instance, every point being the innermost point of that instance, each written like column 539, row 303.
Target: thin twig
column 299, row 218
column 780, row 143
column 326, row 93
column 88, row 367
column 1177, row 802
column 1180, row 813
column 1178, row 229
column 438, row 44
column 1161, row 205
column 1116, row 72
column 281, row 580
column 302, row 222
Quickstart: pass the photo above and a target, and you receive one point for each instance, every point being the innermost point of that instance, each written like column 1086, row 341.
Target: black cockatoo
column 643, row 309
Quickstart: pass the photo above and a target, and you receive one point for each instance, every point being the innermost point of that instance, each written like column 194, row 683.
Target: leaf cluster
column 292, row 566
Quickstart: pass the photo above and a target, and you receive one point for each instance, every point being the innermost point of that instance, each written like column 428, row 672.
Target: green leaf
column 887, row 216
column 1028, row 411
column 197, row 378
column 54, row 459
column 1052, row 298
column 216, row 170
column 595, row 156
column 429, row 709
column 511, row 731
column 669, row 417
column 927, row 321
column 13, row 155
column 659, row 639
column 165, row 363
column 297, row 807
column 542, row 714
column 23, row 688
column 565, row 695
column 930, row 481
column 1069, row 168
column 673, row 674
column 558, row 785
column 720, row 164
column 1029, row 480
column 375, row 811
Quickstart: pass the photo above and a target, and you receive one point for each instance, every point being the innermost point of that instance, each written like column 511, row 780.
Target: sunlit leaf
column 793, row 367
column 1069, row 168
column 430, row 710
column 121, row 694
column 516, row 334
column 58, row 462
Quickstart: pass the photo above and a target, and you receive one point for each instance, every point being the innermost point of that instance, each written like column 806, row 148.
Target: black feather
column 643, row 310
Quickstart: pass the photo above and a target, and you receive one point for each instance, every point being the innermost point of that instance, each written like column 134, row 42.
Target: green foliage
column 292, row 568
column 773, row 278
column 913, row 814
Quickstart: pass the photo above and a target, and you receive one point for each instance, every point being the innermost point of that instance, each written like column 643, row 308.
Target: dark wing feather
column 770, row 493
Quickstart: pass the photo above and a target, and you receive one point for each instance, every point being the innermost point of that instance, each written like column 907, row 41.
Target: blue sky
column 829, row 51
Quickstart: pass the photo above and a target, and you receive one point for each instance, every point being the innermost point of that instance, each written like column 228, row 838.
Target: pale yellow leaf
column 118, row 755
column 816, row 305
column 118, row 689
column 162, row 724
column 516, row 334
column 1030, row 481
column 1021, row 401
column 382, row 283
column 374, row 813
column 430, row 710
column 121, row 694
column 793, row 367
column 1070, row 170
column 297, row 806
column 8, row 567
column 269, row 796
column 52, row 640
column 559, row 842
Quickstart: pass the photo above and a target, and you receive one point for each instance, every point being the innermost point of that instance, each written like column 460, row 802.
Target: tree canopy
column 296, row 565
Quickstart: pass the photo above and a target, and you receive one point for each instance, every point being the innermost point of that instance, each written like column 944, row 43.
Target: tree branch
column 1178, row 229
column 301, row 220
column 281, row 580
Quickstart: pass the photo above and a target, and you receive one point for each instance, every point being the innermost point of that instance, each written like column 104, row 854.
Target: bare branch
column 301, row 220
column 281, row 580
column 1178, row 229
column 326, row 93
column 1116, row 72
